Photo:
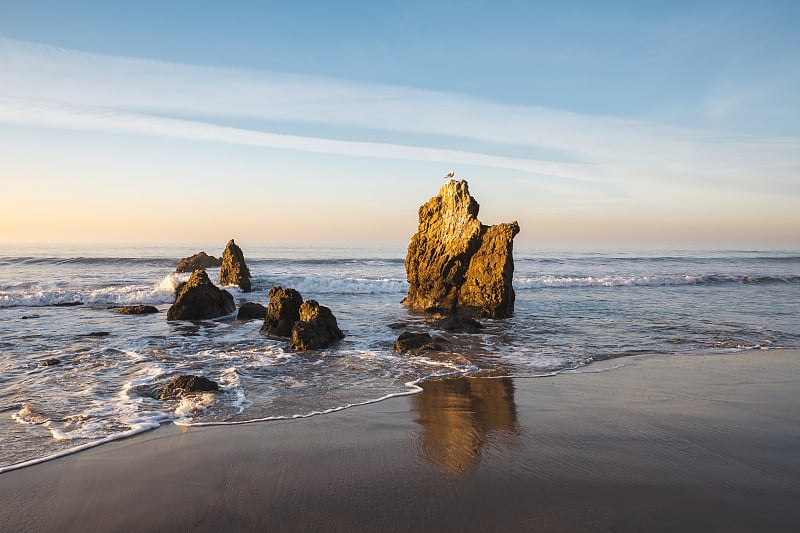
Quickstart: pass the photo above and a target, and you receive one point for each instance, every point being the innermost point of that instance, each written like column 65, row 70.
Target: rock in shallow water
column 199, row 299
column 234, row 270
column 136, row 310
column 455, row 264
column 416, row 343
column 282, row 312
column 251, row 310
column 186, row 383
column 458, row 324
column 316, row 329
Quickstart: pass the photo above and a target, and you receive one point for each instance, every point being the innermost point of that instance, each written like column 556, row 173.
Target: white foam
column 48, row 293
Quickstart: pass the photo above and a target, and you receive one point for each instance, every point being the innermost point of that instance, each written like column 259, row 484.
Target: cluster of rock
column 310, row 326
column 456, row 265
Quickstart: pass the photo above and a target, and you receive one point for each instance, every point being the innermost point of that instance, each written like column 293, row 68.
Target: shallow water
column 571, row 309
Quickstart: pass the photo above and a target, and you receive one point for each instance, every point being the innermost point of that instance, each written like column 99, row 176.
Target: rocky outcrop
column 251, row 310
column 199, row 261
column 188, row 383
column 455, row 264
column 199, row 299
column 234, row 270
column 316, row 329
column 416, row 343
column 136, row 310
column 283, row 311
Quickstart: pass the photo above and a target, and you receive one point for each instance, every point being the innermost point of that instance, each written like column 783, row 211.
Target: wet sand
column 697, row 443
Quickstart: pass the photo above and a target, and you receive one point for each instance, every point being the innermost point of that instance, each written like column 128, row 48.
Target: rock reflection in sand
column 459, row 415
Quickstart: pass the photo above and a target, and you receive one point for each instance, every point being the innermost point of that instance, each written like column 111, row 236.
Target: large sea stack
column 234, row 270
column 200, row 299
column 456, row 265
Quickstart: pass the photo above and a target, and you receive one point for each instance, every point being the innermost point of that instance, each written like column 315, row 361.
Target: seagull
column 450, row 176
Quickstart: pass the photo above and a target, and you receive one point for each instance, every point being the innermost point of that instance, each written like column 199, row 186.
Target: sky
column 593, row 124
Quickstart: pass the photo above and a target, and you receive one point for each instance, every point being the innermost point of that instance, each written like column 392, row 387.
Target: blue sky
column 608, row 124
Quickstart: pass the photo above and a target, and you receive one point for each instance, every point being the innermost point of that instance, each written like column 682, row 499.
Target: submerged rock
column 455, row 264
column 252, row 310
column 458, row 324
column 186, row 383
column 234, row 270
column 415, row 343
column 199, row 261
column 282, row 312
column 136, row 310
column 199, row 298
column 50, row 362
column 316, row 329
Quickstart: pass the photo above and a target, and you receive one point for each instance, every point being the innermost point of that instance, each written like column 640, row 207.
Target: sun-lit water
column 571, row 309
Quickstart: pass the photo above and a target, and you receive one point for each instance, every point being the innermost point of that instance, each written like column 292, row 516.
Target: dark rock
column 234, row 270
column 96, row 334
column 136, row 310
column 50, row 362
column 68, row 304
column 316, row 329
column 455, row 264
column 282, row 312
column 458, row 324
column 250, row 310
column 28, row 317
column 188, row 383
column 198, row 298
column 199, row 261
column 415, row 343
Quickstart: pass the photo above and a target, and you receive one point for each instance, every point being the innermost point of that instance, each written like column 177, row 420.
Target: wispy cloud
column 61, row 88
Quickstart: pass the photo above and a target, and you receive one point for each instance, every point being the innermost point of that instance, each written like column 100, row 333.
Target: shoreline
column 704, row 442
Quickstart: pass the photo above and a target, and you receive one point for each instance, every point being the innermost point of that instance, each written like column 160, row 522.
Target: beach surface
column 651, row 443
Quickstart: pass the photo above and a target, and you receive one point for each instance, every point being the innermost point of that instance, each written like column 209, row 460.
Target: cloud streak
column 61, row 88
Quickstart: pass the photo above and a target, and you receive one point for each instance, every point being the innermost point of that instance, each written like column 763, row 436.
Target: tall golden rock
column 455, row 264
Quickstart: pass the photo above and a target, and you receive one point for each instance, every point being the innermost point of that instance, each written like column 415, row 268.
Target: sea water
column 572, row 308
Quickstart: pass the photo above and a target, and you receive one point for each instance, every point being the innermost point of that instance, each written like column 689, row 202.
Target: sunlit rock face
column 455, row 264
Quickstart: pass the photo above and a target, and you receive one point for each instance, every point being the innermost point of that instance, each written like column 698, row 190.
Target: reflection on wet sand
column 459, row 415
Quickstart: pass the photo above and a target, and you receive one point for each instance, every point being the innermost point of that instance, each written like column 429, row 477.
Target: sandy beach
column 678, row 443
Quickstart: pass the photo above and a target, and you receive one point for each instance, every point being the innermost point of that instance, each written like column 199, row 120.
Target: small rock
column 28, row 317
column 186, row 383
column 250, row 310
column 457, row 324
column 136, row 310
column 415, row 343
column 50, row 362
column 96, row 334
column 199, row 261
column 68, row 304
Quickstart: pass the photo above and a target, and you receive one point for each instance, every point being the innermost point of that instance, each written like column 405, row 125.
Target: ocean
column 572, row 308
